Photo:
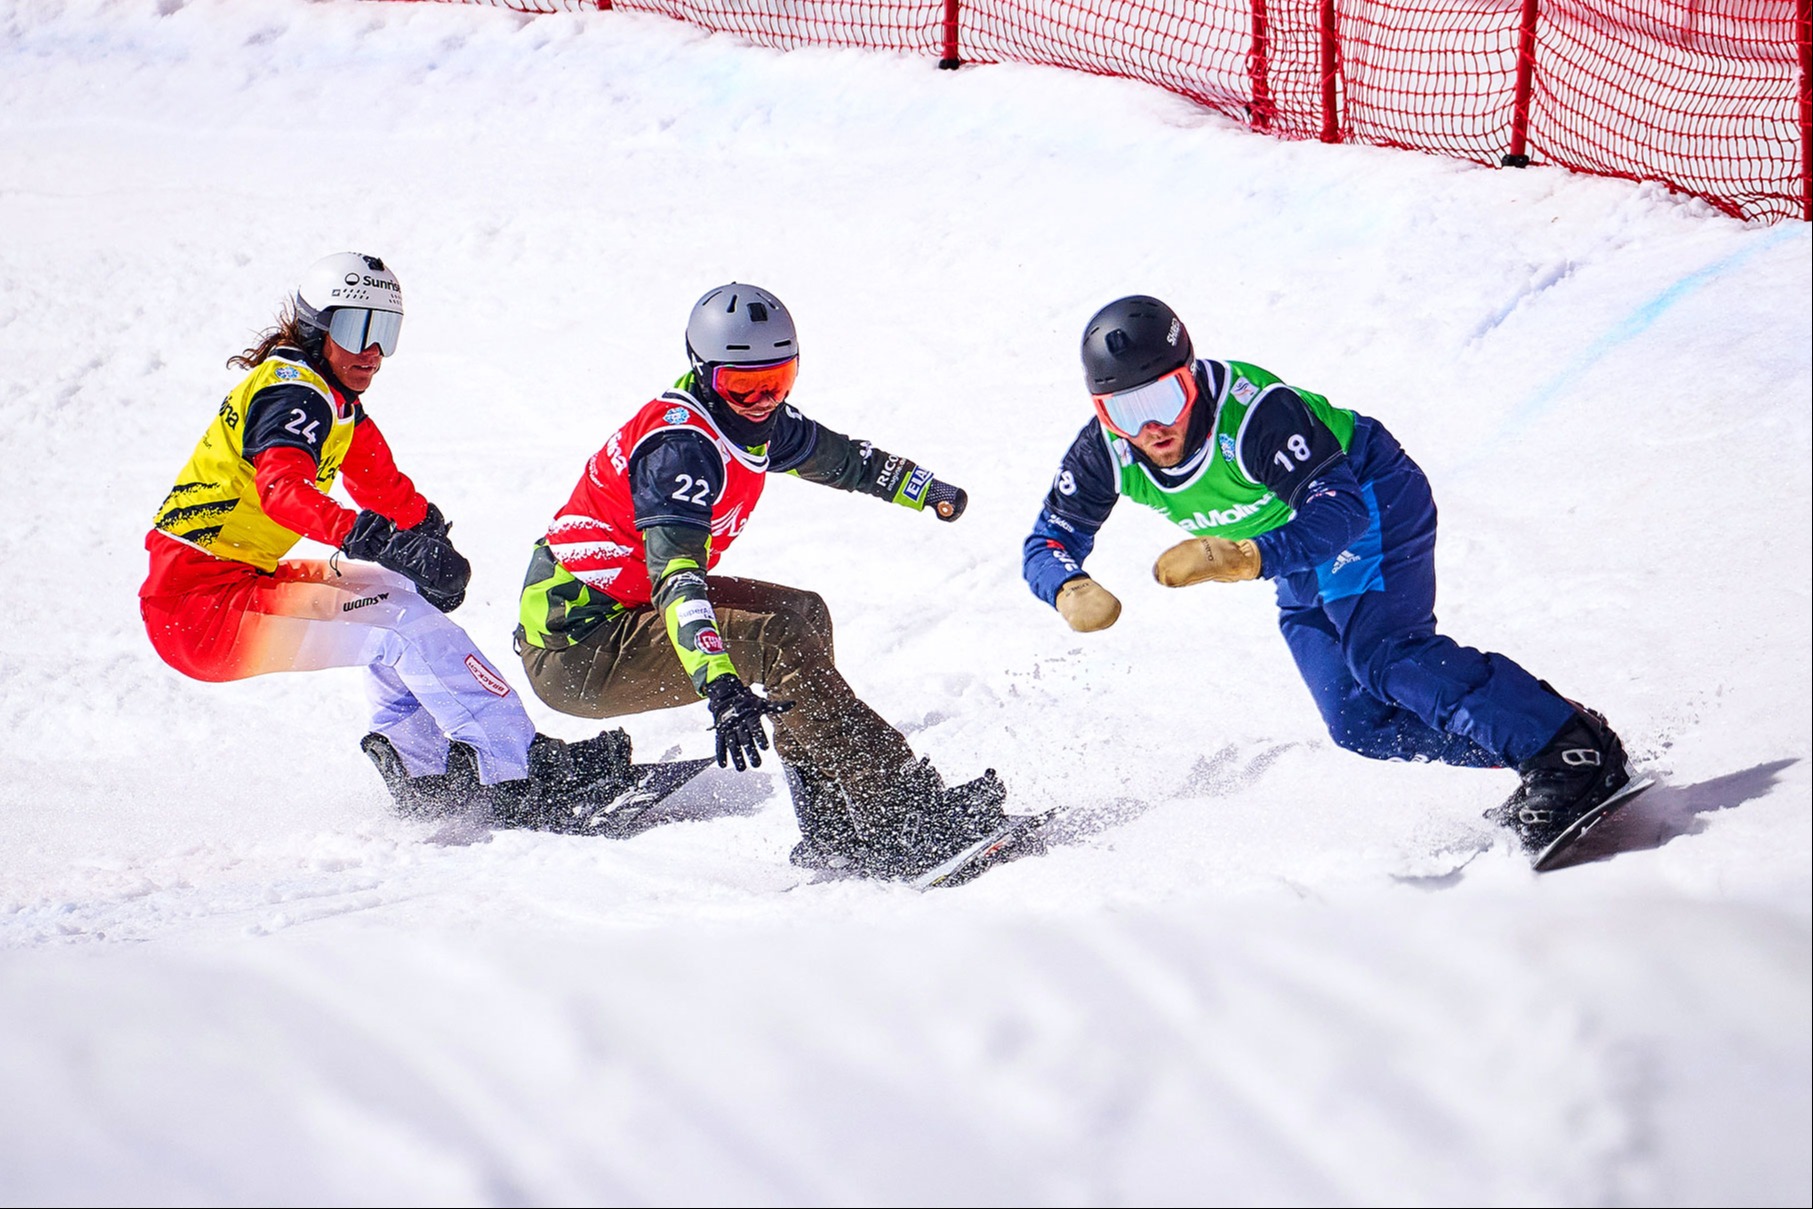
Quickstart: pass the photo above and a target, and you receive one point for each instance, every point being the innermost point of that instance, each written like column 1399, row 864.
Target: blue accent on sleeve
column 1358, row 568
column 1331, row 515
column 1081, row 497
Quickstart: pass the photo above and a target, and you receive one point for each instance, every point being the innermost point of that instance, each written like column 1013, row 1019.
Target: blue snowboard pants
column 1362, row 630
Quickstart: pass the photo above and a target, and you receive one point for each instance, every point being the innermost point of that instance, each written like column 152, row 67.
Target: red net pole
column 1518, row 156
column 1803, row 33
column 1258, row 69
column 947, row 56
column 1330, row 51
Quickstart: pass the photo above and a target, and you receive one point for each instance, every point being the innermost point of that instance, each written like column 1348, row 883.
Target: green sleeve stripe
column 692, row 628
column 913, row 488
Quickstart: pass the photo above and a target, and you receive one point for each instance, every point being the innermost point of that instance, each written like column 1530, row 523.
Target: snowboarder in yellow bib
column 224, row 601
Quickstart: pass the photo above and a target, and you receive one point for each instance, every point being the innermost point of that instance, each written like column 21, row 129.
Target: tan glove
column 1086, row 605
column 1207, row 558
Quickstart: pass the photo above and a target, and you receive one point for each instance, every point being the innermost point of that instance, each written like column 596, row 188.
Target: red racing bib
column 594, row 536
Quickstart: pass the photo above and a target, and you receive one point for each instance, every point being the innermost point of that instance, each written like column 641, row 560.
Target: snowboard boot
column 605, row 757
column 431, row 794
column 828, row 842
column 567, row 782
column 1573, row 776
column 932, row 823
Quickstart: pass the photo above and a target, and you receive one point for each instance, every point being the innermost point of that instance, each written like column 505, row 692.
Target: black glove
column 370, row 533
column 438, row 527
column 434, row 524
column 439, row 572
column 446, row 602
column 946, row 501
column 737, row 717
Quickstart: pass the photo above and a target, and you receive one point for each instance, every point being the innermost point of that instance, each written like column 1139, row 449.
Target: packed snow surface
column 1257, row 970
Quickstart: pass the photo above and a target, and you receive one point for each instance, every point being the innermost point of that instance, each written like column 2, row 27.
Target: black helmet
column 1133, row 341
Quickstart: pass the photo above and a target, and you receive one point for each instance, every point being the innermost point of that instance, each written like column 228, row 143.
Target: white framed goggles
column 357, row 328
column 1162, row 402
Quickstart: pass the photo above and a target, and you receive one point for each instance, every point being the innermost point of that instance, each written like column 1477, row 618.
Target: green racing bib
column 1221, row 497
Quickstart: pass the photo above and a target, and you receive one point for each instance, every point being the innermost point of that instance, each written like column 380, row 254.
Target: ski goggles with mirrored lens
column 1163, row 403
column 755, row 383
column 355, row 329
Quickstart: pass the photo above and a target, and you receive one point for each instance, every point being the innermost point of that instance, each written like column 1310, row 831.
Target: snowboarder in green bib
column 1273, row 481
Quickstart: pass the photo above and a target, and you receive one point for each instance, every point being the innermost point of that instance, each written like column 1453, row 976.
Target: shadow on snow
column 1667, row 812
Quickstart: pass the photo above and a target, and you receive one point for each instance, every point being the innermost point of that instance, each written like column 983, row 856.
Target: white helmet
column 359, row 285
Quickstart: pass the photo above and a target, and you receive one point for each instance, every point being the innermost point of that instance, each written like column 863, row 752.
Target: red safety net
column 911, row 26
column 1703, row 94
column 1439, row 75
column 1711, row 97
column 900, row 25
column 1199, row 48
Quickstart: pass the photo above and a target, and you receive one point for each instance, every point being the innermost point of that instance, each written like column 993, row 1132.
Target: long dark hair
column 289, row 332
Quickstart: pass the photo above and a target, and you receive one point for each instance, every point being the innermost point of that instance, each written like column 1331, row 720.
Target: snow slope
column 1262, row 970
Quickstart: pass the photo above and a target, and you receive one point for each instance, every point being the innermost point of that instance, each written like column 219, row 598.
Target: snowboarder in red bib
column 223, row 602
column 1275, row 482
column 620, row 613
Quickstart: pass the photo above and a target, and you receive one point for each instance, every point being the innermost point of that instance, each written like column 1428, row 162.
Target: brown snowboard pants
column 778, row 637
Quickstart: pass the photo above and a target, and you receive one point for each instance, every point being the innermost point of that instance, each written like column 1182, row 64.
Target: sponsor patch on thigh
column 489, row 680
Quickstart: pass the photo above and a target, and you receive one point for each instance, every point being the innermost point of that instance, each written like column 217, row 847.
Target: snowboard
column 1561, row 844
column 617, row 814
column 1018, row 837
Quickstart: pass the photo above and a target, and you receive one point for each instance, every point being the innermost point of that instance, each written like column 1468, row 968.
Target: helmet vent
column 1116, row 341
column 758, row 313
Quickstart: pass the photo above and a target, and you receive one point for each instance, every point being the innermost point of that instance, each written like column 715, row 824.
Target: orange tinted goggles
column 755, row 383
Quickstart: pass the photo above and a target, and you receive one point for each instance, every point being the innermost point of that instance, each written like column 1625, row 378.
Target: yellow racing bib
column 214, row 504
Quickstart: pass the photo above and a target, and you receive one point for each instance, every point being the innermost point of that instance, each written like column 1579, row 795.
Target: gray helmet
column 738, row 324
